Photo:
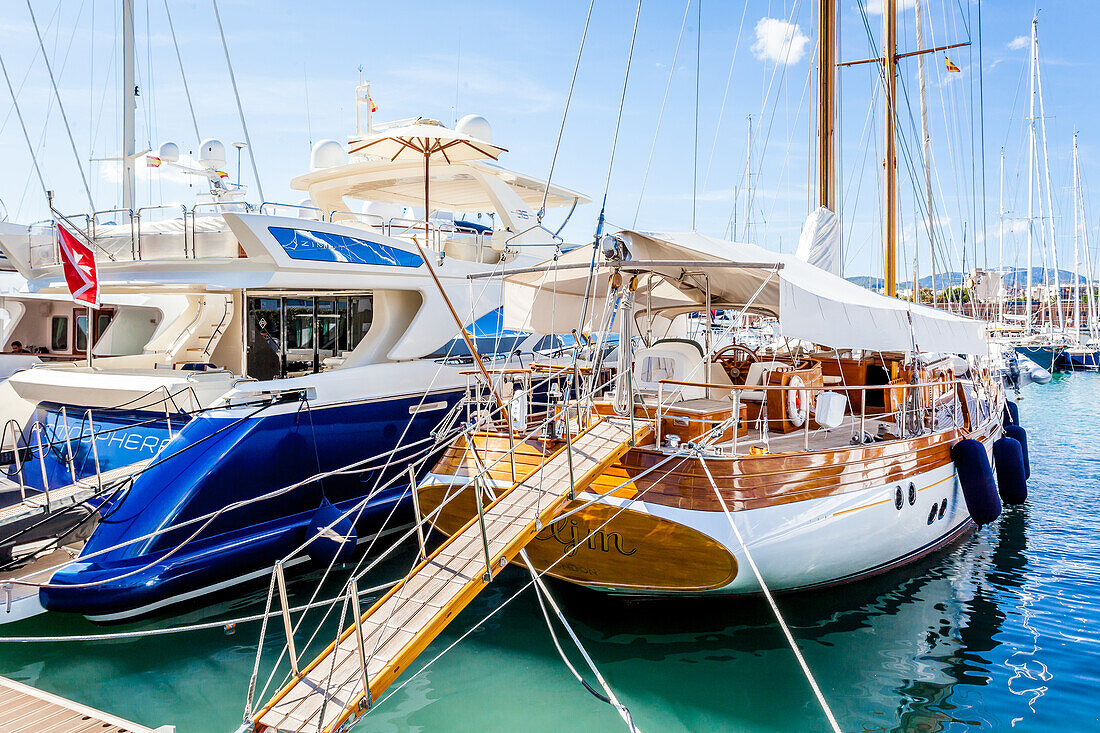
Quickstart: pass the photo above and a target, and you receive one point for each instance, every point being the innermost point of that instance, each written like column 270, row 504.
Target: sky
column 297, row 65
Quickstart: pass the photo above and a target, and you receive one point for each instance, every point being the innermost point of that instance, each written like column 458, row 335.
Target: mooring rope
column 771, row 601
column 541, row 592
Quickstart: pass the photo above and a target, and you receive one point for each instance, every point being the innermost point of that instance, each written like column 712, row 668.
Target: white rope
column 115, row 636
column 771, row 602
column 541, row 592
column 237, row 96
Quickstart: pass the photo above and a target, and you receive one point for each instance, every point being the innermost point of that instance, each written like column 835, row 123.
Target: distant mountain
column 1016, row 277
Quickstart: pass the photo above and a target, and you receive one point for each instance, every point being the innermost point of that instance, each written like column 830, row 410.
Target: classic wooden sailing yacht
column 683, row 468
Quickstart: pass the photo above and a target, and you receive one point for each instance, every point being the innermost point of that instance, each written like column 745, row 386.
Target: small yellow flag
column 951, row 66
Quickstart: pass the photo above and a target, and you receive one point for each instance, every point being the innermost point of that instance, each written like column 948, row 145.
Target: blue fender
column 1011, row 415
column 333, row 544
column 1020, row 435
column 976, row 478
column 1008, row 454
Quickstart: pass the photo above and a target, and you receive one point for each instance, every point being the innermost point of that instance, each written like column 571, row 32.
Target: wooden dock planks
column 405, row 620
column 24, row 709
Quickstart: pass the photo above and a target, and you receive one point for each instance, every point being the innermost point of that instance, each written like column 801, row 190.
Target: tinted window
column 302, row 244
column 59, row 333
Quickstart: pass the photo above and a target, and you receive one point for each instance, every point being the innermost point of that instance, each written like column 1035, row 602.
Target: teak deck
column 405, row 620
column 24, row 709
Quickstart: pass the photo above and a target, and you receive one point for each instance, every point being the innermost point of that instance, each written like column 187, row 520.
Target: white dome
column 169, row 152
column 212, row 153
column 306, row 210
column 326, row 154
column 475, row 126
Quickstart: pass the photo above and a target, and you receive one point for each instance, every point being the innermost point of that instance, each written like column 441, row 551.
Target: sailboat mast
column 826, row 120
column 926, row 153
column 1076, row 238
column 1001, row 243
column 890, row 62
column 129, row 105
column 1030, row 173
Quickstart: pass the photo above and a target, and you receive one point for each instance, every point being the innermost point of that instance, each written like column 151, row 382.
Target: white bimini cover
column 675, row 271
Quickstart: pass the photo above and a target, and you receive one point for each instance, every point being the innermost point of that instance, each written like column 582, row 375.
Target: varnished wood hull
column 809, row 519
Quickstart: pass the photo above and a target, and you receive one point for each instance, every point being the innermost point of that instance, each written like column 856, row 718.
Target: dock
column 342, row 682
column 24, row 709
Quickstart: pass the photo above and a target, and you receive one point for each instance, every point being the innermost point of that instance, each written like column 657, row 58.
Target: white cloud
column 874, row 7
column 1019, row 42
column 779, row 41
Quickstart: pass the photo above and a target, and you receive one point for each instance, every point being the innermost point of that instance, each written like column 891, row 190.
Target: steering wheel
column 726, row 354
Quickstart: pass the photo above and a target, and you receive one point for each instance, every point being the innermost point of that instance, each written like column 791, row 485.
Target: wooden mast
column 826, row 121
column 890, row 61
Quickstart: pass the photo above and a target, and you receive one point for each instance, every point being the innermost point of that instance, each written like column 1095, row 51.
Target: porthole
column 899, row 500
column 932, row 513
column 943, row 507
column 912, row 493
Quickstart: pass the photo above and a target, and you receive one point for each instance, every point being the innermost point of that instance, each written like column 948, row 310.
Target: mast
column 926, row 141
column 1046, row 175
column 1030, row 173
column 890, row 65
column 129, row 105
column 826, row 121
column 1076, row 238
column 1001, row 243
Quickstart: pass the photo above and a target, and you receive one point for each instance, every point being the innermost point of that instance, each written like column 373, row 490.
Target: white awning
column 676, row 271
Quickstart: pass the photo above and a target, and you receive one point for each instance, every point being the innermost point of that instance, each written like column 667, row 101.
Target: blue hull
column 1078, row 362
column 122, row 437
column 229, row 460
column 1044, row 356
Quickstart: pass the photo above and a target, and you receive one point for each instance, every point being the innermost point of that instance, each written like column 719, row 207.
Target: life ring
column 798, row 407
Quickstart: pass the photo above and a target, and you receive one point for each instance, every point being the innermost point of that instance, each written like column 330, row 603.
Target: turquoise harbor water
column 1000, row 632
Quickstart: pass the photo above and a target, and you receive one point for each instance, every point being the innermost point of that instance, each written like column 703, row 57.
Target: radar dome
column 169, row 152
column 475, row 126
column 326, row 154
column 212, row 153
column 306, row 210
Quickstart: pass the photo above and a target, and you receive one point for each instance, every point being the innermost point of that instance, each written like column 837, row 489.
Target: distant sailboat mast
column 1076, row 239
column 1030, row 175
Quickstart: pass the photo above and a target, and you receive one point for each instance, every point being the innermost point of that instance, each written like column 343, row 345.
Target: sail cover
column 676, row 271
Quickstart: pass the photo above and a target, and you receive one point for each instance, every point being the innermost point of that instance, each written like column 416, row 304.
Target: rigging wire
column 661, row 113
column 237, row 97
column 60, row 106
column 565, row 112
column 22, row 124
column 183, row 74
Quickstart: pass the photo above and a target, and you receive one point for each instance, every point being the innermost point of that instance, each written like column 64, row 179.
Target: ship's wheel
column 732, row 356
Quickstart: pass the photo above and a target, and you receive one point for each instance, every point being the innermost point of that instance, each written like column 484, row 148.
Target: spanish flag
column 222, row 174
column 951, row 65
column 373, row 106
column 152, row 161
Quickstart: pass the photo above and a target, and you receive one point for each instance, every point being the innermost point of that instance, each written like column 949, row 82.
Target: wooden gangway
column 333, row 689
column 25, row 709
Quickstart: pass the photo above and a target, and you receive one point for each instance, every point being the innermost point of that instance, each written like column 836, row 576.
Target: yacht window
column 59, row 333
column 289, row 337
column 81, row 333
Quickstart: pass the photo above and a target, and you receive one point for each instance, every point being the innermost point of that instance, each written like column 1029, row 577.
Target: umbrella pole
column 454, row 314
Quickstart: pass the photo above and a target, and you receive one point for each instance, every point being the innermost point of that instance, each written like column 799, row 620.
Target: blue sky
column 512, row 61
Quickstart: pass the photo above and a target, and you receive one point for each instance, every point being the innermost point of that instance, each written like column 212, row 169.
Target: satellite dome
column 306, row 210
column 212, row 153
column 475, row 126
column 169, row 152
column 326, row 154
